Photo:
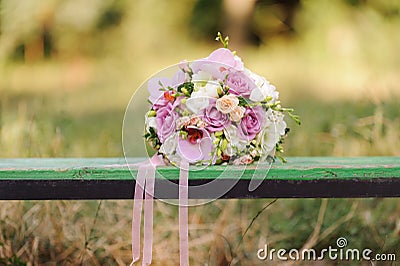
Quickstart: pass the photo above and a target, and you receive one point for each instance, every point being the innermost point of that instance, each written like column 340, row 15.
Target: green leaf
column 243, row 101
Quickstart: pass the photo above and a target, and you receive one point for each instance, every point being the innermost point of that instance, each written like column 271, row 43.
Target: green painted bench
column 110, row 178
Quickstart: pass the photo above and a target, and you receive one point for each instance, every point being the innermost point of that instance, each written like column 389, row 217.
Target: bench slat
column 110, row 178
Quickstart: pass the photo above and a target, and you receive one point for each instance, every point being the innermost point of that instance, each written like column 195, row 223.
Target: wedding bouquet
column 215, row 111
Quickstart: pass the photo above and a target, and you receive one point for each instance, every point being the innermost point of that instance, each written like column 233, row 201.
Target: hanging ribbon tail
column 144, row 183
column 137, row 212
column 148, row 218
column 183, row 213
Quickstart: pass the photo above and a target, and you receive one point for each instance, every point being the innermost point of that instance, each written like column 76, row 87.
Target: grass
column 98, row 233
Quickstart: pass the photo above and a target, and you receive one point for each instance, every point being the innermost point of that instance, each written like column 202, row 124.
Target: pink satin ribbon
column 145, row 181
column 183, row 213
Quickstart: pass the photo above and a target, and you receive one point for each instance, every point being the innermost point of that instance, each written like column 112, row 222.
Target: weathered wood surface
column 111, row 178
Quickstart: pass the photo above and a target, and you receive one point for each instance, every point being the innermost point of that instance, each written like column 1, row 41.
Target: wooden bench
column 110, row 178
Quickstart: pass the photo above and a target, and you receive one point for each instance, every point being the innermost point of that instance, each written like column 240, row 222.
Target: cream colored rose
column 237, row 113
column 227, row 103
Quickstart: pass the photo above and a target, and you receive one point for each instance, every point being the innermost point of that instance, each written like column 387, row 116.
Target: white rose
column 169, row 146
column 197, row 102
column 267, row 140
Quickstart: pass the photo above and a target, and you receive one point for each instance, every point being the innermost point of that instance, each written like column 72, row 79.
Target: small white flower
column 150, row 122
column 169, row 146
column 263, row 89
column 276, row 118
column 261, row 93
column 258, row 95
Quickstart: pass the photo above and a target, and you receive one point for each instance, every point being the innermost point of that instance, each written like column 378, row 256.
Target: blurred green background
column 69, row 68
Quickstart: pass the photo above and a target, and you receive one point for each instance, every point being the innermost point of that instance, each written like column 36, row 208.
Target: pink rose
column 239, row 84
column 214, row 119
column 252, row 123
column 165, row 119
column 197, row 146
